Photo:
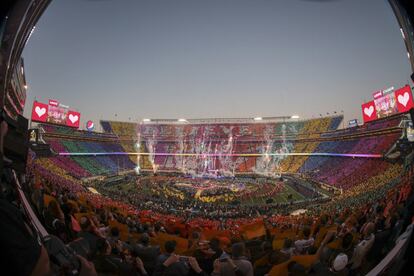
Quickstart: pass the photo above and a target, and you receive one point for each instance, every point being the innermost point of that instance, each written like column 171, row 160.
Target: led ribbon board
column 353, row 155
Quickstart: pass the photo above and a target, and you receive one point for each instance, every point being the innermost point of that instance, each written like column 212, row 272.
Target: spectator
column 147, row 253
column 336, row 267
column 55, row 221
column 238, row 264
column 89, row 234
column 363, row 247
column 169, row 263
column 345, row 247
column 382, row 241
column 108, row 263
column 301, row 246
column 288, row 250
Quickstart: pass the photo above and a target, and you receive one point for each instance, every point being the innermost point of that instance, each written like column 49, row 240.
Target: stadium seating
column 67, row 140
column 250, row 138
column 387, row 190
column 306, row 136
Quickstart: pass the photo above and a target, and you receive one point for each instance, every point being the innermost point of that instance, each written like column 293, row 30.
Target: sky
column 134, row 59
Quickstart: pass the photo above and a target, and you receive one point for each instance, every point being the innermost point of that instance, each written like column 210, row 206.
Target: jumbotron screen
column 388, row 104
column 55, row 113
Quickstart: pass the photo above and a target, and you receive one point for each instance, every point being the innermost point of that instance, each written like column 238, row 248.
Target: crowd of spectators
column 117, row 233
column 119, row 238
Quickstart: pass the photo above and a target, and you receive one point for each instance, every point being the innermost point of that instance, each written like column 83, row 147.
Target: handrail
column 28, row 209
column 386, row 265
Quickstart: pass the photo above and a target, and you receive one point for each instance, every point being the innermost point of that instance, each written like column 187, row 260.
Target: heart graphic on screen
column 73, row 118
column 403, row 99
column 369, row 111
column 40, row 111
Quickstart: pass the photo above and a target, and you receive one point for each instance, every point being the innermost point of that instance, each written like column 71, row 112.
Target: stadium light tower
column 146, row 120
column 182, row 120
column 258, row 118
column 295, row 117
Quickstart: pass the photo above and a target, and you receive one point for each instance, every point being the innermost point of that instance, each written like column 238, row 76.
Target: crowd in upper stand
column 342, row 173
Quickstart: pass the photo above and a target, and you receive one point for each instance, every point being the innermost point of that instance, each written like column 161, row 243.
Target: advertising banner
column 39, row 112
column 90, row 125
column 55, row 113
column 377, row 94
column 73, row 119
column 53, row 102
column 368, row 111
column 404, row 98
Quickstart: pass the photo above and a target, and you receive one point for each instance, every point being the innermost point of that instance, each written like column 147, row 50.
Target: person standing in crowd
column 238, row 264
column 363, row 247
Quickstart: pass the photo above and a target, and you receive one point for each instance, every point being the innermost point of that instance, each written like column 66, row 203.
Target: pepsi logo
column 89, row 125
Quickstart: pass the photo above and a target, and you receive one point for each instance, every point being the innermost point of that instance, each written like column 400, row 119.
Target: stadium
column 282, row 195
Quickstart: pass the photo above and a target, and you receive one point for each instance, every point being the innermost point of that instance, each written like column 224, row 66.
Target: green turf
column 281, row 197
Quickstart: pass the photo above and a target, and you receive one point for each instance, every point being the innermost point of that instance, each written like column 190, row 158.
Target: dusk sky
column 214, row 58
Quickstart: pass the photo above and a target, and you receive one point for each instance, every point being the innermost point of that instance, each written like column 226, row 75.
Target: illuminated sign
column 53, row 103
column 73, row 119
column 386, row 105
column 353, row 123
column 90, row 125
column 55, row 113
column 39, row 112
column 377, row 94
column 388, row 90
column 400, row 101
column 404, row 98
column 368, row 111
